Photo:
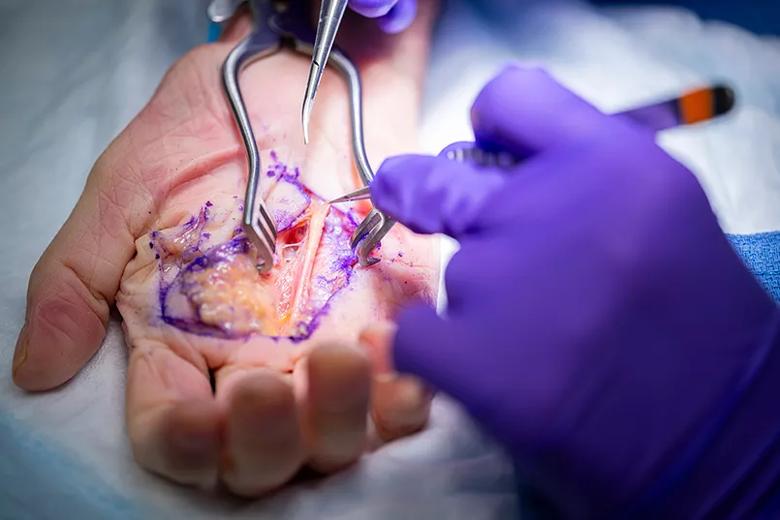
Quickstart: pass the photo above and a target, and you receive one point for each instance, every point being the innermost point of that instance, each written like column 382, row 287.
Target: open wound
column 208, row 281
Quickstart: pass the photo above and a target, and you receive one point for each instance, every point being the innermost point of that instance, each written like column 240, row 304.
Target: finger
column 428, row 346
column 74, row 283
column 335, row 409
column 172, row 418
column 263, row 446
column 525, row 110
column 433, row 194
column 400, row 405
column 372, row 8
column 399, row 18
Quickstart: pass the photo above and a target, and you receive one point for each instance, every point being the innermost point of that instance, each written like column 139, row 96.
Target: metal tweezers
column 278, row 25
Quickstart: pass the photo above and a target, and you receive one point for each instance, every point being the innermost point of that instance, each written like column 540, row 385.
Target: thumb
column 72, row 287
column 433, row 194
column 525, row 111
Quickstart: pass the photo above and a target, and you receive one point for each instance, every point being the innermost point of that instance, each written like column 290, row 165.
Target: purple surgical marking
column 352, row 217
column 338, row 228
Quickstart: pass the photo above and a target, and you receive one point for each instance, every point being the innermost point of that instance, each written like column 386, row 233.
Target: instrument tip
column 361, row 194
column 308, row 98
column 367, row 261
column 305, row 116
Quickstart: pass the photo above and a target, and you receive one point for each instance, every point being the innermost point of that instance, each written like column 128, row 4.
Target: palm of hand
column 167, row 193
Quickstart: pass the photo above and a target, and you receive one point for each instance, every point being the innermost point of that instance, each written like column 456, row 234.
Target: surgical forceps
column 331, row 13
column 278, row 25
column 691, row 107
column 376, row 225
column 462, row 152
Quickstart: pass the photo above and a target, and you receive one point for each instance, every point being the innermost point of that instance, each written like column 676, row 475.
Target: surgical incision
column 209, row 284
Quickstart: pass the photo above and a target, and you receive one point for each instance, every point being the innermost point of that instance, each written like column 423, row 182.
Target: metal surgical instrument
column 376, row 225
column 278, row 25
column 353, row 196
column 331, row 13
column 691, row 107
column 464, row 152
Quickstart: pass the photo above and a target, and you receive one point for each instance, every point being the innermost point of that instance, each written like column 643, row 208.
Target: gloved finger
column 372, row 8
column 73, row 284
column 525, row 110
column 433, row 194
column 399, row 17
column 400, row 404
column 393, row 16
column 335, row 405
column 263, row 445
column 172, row 418
column 426, row 346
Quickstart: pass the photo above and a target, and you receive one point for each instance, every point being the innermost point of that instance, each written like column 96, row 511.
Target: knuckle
column 504, row 84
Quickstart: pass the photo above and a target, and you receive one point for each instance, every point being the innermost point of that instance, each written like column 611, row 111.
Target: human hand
column 598, row 322
column 155, row 231
column 393, row 16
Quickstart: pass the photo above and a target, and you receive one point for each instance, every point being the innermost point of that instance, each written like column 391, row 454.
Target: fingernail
column 401, row 407
column 407, row 389
column 386, row 377
column 411, row 391
column 376, row 340
column 20, row 353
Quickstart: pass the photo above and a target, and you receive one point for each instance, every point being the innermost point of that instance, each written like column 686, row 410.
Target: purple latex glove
column 393, row 16
column 598, row 323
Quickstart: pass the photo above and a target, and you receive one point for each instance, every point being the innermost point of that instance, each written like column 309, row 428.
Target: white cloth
column 75, row 72
column 619, row 58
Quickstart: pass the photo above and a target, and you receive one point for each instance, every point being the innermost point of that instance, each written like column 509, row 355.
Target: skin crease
column 277, row 405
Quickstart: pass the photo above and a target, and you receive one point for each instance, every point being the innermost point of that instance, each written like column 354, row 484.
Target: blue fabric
column 761, row 254
column 30, row 464
column 215, row 30
column 757, row 16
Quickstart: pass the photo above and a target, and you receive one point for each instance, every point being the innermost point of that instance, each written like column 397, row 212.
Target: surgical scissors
column 278, row 25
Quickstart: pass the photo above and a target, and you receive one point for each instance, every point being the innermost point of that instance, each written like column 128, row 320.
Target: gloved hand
column 598, row 322
column 393, row 16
